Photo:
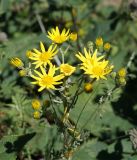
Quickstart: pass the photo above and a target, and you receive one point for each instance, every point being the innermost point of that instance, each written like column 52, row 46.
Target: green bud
column 122, row 81
column 113, row 75
column 90, row 45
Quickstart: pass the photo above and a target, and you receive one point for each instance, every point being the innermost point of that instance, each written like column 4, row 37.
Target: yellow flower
column 67, row 69
column 87, row 58
column 36, row 115
column 16, row 62
column 122, row 72
column 29, row 53
column 88, row 87
column 36, row 104
column 22, row 72
column 99, row 42
column 98, row 70
column 44, row 57
column 93, row 66
column 73, row 36
column 47, row 80
column 58, row 37
column 107, row 46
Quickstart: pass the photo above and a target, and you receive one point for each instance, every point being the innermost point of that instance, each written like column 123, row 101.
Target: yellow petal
column 42, row 47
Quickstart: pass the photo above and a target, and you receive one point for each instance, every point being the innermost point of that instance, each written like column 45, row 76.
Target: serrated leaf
column 12, row 144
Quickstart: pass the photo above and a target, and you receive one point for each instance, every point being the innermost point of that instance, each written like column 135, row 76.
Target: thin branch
column 44, row 31
column 40, row 23
column 130, row 60
column 52, row 105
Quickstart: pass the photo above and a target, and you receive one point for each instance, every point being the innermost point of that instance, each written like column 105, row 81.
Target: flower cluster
column 36, row 105
column 101, row 45
column 50, row 71
column 48, row 75
column 121, row 77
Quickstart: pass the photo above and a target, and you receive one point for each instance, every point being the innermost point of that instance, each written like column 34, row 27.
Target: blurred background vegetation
column 23, row 24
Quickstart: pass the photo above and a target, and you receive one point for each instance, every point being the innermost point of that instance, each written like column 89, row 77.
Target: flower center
column 67, row 69
column 60, row 39
column 97, row 70
column 44, row 57
column 46, row 80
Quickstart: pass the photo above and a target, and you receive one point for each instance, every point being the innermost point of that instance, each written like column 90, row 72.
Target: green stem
column 82, row 112
column 62, row 54
column 89, row 119
column 96, row 110
column 28, row 153
column 52, row 105
column 76, row 95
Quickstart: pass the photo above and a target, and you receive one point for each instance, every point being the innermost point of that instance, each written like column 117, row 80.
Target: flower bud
column 122, row 81
column 113, row 75
column 22, row 72
column 90, row 45
column 107, row 47
column 122, row 72
column 36, row 104
column 73, row 36
column 36, row 115
column 16, row 62
column 88, row 87
column 99, row 42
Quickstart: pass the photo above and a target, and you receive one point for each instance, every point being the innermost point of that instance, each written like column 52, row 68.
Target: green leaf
column 4, row 6
column 89, row 150
column 47, row 138
column 12, row 144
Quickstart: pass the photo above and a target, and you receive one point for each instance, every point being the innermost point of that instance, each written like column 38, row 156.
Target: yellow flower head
column 87, row 58
column 107, row 46
column 93, row 66
column 67, row 69
column 29, row 53
column 47, row 80
column 58, row 37
column 16, row 62
column 73, row 36
column 44, row 57
column 36, row 115
column 122, row 72
column 99, row 70
column 99, row 42
column 23, row 72
column 36, row 104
